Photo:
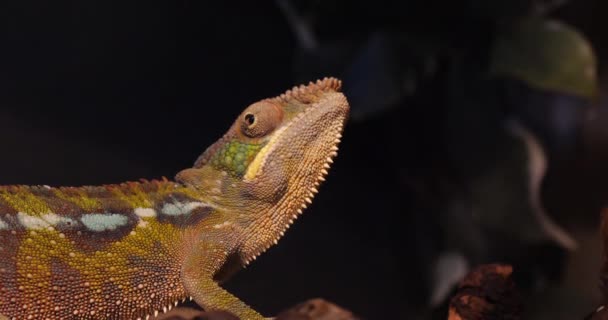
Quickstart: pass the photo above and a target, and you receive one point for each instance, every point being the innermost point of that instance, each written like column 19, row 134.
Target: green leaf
column 546, row 54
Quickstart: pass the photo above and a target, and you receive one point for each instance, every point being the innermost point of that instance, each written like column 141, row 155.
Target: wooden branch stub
column 487, row 293
column 315, row 309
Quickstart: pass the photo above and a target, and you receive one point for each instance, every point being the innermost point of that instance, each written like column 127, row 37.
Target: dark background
column 95, row 92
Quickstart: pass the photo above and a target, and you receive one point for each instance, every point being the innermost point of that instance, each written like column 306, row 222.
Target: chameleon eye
column 260, row 119
column 250, row 118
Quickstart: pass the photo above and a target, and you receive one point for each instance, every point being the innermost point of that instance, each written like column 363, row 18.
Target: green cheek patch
column 235, row 157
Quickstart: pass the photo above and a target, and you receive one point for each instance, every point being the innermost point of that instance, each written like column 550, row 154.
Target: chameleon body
column 130, row 250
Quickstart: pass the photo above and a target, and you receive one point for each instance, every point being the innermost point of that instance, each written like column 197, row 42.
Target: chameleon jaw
column 295, row 163
column 307, row 200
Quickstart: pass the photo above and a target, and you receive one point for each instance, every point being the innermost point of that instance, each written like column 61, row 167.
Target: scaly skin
column 128, row 251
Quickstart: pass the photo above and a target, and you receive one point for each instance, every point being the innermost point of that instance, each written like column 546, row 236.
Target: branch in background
column 314, row 309
column 600, row 314
column 487, row 293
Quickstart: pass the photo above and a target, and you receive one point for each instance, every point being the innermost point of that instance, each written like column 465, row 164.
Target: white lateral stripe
column 44, row 221
column 54, row 219
column 222, row 225
column 179, row 208
column 3, row 225
column 188, row 207
column 31, row 222
column 145, row 212
column 102, row 222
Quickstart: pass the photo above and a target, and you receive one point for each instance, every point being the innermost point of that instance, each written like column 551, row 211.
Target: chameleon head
column 279, row 149
column 300, row 146
column 281, row 144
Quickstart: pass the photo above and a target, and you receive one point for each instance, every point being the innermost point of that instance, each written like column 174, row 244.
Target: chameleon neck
column 256, row 216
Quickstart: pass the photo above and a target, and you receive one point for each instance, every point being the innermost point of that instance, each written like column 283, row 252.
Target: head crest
column 303, row 94
column 311, row 92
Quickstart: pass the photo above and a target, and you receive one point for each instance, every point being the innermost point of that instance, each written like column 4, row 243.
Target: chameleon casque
column 130, row 250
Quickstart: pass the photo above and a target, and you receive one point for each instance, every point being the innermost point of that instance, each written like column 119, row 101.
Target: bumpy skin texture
column 131, row 250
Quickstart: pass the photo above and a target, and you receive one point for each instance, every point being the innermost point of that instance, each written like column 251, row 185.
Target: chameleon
column 134, row 249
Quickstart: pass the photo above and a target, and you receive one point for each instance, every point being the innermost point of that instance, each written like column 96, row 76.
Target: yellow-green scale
column 235, row 157
column 105, row 280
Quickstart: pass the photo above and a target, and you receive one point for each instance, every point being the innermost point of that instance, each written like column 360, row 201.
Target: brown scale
column 9, row 243
column 8, row 272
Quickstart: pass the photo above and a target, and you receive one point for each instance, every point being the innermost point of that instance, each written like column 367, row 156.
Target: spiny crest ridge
column 310, row 92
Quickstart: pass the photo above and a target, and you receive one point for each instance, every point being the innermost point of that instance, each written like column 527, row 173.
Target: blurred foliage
column 468, row 73
column 386, row 51
column 546, row 54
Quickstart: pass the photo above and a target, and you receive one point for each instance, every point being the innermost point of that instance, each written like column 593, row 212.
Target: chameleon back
column 108, row 252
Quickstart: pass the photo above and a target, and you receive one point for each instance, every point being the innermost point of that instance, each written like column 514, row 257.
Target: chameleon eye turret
column 260, row 119
column 132, row 250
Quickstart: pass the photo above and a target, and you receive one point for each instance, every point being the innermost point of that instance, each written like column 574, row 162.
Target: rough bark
column 487, row 293
column 315, row 309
